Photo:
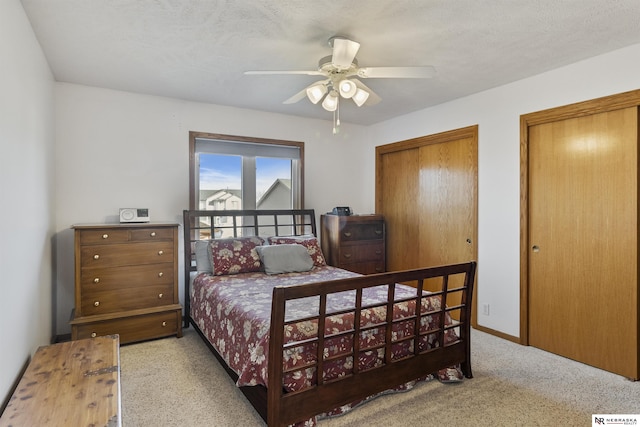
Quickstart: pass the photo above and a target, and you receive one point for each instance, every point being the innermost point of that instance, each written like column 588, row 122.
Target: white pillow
column 290, row 258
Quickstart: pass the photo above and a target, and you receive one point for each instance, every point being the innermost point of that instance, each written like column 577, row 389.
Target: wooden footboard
column 456, row 284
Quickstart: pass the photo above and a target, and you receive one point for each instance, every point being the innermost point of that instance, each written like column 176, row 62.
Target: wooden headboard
column 217, row 224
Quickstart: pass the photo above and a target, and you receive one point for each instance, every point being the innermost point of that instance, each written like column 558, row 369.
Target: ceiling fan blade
column 308, row 73
column 297, row 97
column 373, row 97
column 303, row 93
column 344, row 51
column 396, row 72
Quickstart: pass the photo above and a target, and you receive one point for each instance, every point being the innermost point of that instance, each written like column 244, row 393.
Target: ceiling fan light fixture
column 347, row 88
column 360, row 97
column 330, row 102
column 316, row 92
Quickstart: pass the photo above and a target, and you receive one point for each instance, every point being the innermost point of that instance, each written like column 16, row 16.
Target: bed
column 301, row 338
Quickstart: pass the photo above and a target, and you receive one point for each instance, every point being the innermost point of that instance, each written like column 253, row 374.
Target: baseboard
column 498, row 334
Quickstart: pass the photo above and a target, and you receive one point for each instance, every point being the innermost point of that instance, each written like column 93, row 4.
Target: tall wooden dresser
column 126, row 281
column 355, row 243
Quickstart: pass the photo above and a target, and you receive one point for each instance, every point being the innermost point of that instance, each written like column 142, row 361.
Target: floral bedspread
column 234, row 312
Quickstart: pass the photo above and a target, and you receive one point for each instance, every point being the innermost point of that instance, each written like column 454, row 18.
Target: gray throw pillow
column 290, row 258
column 203, row 261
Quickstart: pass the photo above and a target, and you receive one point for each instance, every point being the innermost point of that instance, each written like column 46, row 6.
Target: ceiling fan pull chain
column 336, row 116
column 334, row 123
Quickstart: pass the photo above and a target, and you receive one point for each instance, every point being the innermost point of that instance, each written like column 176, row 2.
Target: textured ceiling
column 199, row 49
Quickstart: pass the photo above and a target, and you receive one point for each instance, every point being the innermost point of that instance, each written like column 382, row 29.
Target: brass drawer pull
column 164, row 324
column 378, row 252
column 105, row 236
column 153, row 234
column 160, row 274
column 347, row 255
column 378, row 231
column 96, row 256
column 97, row 303
column 347, row 234
column 96, row 280
column 160, row 252
column 93, row 335
column 159, row 295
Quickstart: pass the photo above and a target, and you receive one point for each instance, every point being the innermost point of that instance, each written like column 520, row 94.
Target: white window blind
column 216, row 146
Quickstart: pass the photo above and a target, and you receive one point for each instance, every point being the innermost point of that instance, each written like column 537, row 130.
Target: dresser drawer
column 358, row 253
column 151, row 234
column 92, row 279
column 107, row 301
column 107, row 236
column 134, row 328
column 365, row 267
column 362, row 231
column 103, row 236
column 126, row 254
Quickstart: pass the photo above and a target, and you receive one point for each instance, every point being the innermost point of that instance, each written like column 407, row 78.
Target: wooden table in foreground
column 70, row 384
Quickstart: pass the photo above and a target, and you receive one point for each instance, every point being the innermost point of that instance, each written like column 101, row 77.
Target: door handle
column 535, row 248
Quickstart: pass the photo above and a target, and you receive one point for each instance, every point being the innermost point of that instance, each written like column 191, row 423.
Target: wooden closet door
column 447, row 181
column 400, row 190
column 426, row 189
column 583, row 235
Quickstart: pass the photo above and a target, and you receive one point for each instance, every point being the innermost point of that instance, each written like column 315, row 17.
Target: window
column 231, row 172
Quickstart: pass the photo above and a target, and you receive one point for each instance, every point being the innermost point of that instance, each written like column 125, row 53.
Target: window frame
column 297, row 174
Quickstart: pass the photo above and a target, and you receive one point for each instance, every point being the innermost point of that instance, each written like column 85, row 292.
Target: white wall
column 497, row 112
column 27, row 194
column 118, row 149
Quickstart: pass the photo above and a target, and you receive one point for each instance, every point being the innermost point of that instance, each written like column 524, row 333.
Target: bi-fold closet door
column 581, row 246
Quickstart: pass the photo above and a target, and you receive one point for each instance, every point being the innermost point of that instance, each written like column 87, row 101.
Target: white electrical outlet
column 485, row 309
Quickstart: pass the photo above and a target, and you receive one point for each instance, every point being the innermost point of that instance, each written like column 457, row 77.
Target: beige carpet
column 178, row 382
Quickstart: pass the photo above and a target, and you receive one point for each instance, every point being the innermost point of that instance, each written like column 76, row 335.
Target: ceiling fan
column 341, row 74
